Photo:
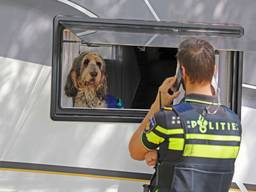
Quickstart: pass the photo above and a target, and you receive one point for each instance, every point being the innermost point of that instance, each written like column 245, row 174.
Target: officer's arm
column 136, row 147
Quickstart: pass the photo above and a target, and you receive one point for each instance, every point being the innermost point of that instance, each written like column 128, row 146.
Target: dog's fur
column 86, row 82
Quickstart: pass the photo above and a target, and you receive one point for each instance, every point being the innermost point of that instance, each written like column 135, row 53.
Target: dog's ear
column 103, row 67
column 101, row 90
column 71, row 86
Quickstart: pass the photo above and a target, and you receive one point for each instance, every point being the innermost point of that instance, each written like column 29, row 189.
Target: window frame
column 105, row 115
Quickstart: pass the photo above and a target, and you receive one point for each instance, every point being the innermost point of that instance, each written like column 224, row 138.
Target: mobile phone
column 177, row 84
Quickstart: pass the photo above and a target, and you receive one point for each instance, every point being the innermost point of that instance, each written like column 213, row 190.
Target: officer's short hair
column 198, row 58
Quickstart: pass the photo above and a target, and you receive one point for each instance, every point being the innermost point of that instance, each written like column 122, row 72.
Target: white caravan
column 48, row 145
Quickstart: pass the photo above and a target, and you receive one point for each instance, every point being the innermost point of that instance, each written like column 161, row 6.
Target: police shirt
column 165, row 131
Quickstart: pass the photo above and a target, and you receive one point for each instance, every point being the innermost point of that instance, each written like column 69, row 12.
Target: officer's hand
column 166, row 97
column 151, row 158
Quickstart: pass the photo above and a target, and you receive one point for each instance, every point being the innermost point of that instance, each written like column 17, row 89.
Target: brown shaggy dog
column 86, row 82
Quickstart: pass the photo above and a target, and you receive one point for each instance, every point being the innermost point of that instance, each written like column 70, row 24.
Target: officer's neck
column 198, row 88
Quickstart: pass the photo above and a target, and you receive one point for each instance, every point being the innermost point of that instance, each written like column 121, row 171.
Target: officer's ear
column 183, row 71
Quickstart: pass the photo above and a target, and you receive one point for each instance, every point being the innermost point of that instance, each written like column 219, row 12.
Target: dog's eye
column 86, row 61
column 99, row 64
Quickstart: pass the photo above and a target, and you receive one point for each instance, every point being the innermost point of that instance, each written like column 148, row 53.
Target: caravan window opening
column 133, row 73
column 114, row 75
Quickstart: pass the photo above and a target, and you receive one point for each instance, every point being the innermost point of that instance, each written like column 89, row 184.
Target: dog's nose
column 93, row 74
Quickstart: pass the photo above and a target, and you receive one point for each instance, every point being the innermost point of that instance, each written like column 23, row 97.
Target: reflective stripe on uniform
column 169, row 131
column 211, row 151
column 168, row 108
column 200, row 101
column 154, row 138
column 213, row 137
column 176, row 143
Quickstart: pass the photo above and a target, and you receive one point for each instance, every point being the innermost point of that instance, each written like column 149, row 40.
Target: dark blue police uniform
column 198, row 141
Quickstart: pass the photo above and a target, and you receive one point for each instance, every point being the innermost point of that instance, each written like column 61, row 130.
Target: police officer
column 193, row 144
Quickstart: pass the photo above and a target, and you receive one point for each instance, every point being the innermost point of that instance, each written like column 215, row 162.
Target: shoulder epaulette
column 182, row 107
